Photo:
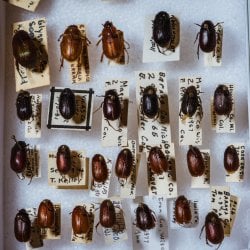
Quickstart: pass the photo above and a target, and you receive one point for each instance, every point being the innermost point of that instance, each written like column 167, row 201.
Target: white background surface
column 128, row 15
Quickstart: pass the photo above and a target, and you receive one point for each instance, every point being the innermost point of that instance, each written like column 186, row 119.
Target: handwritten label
column 88, row 237
column 154, row 53
column 157, row 130
column 114, row 133
column 25, row 4
column 234, row 207
column 82, row 119
column 204, row 180
column 77, row 176
column 33, row 125
column 238, row 176
column 25, row 78
column 190, row 131
column 101, row 190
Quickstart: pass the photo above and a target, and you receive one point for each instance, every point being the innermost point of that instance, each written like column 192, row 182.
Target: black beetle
column 182, row 210
column 231, row 159
column 22, row 226
column 214, row 229
column 190, row 101
column 99, row 168
column 80, row 220
column 18, row 158
column 145, row 217
column 46, row 214
column 67, row 103
column 23, row 105
column 28, row 52
column 63, row 159
column 162, row 31
column 150, row 105
column 223, row 103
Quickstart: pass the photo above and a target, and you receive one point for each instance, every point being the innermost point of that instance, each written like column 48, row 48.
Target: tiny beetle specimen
column 145, row 217
column 46, row 214
column 195, row 162
column 231, row 159
column 67, row 103
column 63, row 159
column 190, row 101
column 182, row 210
column 99, row 168
column 214, row 229
column 80, row 220
column 22, row 226
column 23, row 105
column 223, row 103
column 112, row 42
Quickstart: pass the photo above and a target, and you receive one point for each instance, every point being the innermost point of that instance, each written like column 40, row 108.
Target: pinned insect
column 182, row 210
column 46, row 214
column 23, row 105
column 80, row 220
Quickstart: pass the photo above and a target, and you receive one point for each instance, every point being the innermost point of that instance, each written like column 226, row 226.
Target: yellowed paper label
column 25, row 4
column 33, row 169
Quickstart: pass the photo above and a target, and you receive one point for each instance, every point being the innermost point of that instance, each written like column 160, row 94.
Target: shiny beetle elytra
column 99, row 168
column 182, row 210
column 150, row 105
column 80, row 220
column 231, row 159
column 22, row 226
column 23, row 105
column 67, row 103
column 63, row 159
column 46, row 214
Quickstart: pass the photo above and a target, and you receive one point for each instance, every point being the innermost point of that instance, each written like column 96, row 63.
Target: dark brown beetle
column 46, row 214
column 72, row 45
column 223, row 103
column 190, row 101
column 63, row 159
column 18, row 158
column 182, row 210
column 162, row 31
column 99, row 168
column 112, row 42
column 195, row 162
column 22, row 226
column 67, row 103
column 231, row 159
column 158, row 161
column 28, row 52
column 150, row 105
column 145, row 217
column 214, row 229
column 124, row 163
column 80, row 220
column 23, row 105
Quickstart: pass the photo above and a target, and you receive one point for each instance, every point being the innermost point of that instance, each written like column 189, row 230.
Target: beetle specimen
column 182, row 210
column 158, row 161
column 113, row 44
column 145, row 217
column 63, row 159
column 80, row 220
column 28, row 52
column 99, row 168
column 23, row 105
column 162, row 31
column 22, row 226
column 67, row 103
column 124, row 163
column 190, row 102
column 223, row 103
column 46, row 214
column 195, row 162
column 214, row 229
column 231, row 159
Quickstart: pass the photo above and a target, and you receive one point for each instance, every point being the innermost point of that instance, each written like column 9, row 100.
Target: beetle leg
column 119, row 130
column 127, row 44
column 201, row 109
column 60, row 37
column 102, row 57
column 61, row 60
column 98, row 41
column 18, row 70
column 96, row 226
column 218, row 24
column 219, row 246
column 198, row 52
column 201, row 231
column 99, row 107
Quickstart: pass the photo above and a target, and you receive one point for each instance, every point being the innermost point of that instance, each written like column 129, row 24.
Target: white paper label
column 36, row 29
column 234, row 207
column 25, row 4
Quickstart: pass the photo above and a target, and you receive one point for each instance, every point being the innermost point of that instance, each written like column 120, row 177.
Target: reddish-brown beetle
column 22, row 226
column 99, row 168
column 112, row 42
column 231, row 159
column 63, row 159
column 80, row 220
column 145, row 217
column 158, row 161
column 182, row 210
column 195, row 162
column 124, row 163
column 46, row 214
column 214, row 229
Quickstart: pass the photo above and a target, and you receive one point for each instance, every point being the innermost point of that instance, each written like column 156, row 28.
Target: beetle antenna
column 197, row 24
column 201, row 231
column 119, row 130
column 13, row 138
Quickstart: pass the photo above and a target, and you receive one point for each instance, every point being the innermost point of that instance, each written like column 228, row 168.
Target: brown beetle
column 124, row 163
column 80, row 220
column 182, row 210
column 99, row 168
column 63, row 159
column 22, row 226
column 231, row 159
column 214, row 229
column 46, row 214
column 195, row 162
column 158, row 161
column 112, row 42
column 145, row 217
